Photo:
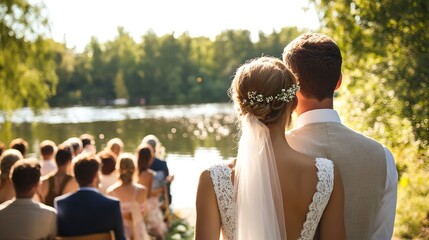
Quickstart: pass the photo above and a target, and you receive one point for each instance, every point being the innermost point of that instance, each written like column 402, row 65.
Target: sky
column 76, row 21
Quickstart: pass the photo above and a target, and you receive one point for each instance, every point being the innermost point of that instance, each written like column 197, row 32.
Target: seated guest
column 108, row 169
column 87, row 211
column 7, row 159
column 132, row 197
column 88, row 143
column 47, row 151
column 76, row 144
column 162, row 179
column 115, row 145
column 21, row 217
column 62, row 181
column 154, row 217
column 20, row 145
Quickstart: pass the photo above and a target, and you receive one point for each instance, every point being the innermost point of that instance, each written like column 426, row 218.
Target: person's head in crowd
column 47, row 149
column 154, row 142
column 144, row 157
column 76, row 144
column 25, row 176
column 126, row 167
column 88, row 143
column 108, row 161
column 20, row 145
column 2, row 147
column 86, row 170
column 63, row 156
column 87, row 139
column 316, row 60
column 115, row 145
column 7, row 159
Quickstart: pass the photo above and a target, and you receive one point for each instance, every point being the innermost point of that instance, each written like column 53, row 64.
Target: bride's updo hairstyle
column 265, row 88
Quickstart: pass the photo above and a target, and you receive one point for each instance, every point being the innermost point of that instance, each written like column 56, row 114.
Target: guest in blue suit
column 87, row 211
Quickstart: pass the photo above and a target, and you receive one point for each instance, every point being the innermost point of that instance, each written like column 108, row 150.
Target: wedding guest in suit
column 367, row 167
column 21, row 217
column 61, row 182
column 47, row 151
column 20, row 145
column 87, row 211
column 7, row 159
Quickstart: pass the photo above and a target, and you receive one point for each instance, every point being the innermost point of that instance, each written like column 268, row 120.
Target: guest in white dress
column 47, row 152
column 270, row 191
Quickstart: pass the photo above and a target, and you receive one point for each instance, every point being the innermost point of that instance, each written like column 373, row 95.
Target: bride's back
column 298, row 180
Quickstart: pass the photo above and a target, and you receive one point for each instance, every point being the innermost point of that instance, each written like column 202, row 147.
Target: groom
column 367, row 167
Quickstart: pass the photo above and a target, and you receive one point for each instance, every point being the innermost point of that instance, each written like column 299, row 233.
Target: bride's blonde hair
column 257, row 86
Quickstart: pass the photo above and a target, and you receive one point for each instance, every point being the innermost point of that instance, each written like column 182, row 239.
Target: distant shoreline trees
column 159, row 69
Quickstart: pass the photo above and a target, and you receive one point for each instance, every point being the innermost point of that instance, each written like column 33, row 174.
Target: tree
column 27, row 68
column 385, row 47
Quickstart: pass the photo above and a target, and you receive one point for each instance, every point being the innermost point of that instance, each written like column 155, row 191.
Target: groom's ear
column 340, row 80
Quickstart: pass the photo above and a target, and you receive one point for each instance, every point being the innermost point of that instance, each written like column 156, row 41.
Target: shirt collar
column 22, row 200
column 317, row 116
column 88, row 189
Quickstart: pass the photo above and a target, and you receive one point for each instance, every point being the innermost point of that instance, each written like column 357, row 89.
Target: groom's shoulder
column 329, row 128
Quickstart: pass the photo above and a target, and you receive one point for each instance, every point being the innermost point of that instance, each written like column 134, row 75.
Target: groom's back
column 362, row 164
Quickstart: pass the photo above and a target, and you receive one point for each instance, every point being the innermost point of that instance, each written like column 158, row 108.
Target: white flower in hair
column 285, row 95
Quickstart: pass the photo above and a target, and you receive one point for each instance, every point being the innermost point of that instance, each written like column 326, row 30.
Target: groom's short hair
column 316, row 61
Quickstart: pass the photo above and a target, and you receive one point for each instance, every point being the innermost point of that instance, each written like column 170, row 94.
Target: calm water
column 194, row 136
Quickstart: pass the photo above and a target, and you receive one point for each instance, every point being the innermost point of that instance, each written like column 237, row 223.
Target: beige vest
column 362, row 164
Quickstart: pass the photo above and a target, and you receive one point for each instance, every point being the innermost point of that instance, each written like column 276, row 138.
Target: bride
column 271, row 191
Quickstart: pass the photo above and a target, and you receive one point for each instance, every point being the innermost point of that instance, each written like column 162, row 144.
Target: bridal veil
column 257, row 187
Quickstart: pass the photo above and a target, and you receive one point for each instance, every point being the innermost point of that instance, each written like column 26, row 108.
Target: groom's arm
column 384, row 221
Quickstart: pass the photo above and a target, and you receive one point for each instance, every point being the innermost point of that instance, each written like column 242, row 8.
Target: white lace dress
column 221, row 177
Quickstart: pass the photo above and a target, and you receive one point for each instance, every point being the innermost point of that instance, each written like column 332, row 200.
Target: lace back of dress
column 324, row 187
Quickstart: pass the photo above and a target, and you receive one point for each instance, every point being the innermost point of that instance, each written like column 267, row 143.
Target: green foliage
column 385, row 50
column 27, row 69
column 159, row 69
column 179, row 229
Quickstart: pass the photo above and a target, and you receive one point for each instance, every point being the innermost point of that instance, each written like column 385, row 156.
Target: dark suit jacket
column 160, row 165
column 87, row 212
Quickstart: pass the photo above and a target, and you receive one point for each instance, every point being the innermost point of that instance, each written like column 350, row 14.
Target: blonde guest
column 132, row 197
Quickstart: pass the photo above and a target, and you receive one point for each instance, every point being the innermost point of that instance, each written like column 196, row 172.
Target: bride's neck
column 277, row 134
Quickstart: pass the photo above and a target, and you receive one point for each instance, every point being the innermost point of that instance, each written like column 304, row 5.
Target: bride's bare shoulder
column 302, row 162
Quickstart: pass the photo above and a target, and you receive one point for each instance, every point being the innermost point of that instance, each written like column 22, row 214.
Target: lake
column 194, row 136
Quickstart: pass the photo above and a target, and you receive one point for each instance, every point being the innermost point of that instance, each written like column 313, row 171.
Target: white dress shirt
column 385, row 218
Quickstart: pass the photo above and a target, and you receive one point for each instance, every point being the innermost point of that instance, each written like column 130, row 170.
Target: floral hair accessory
column 286, row 95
